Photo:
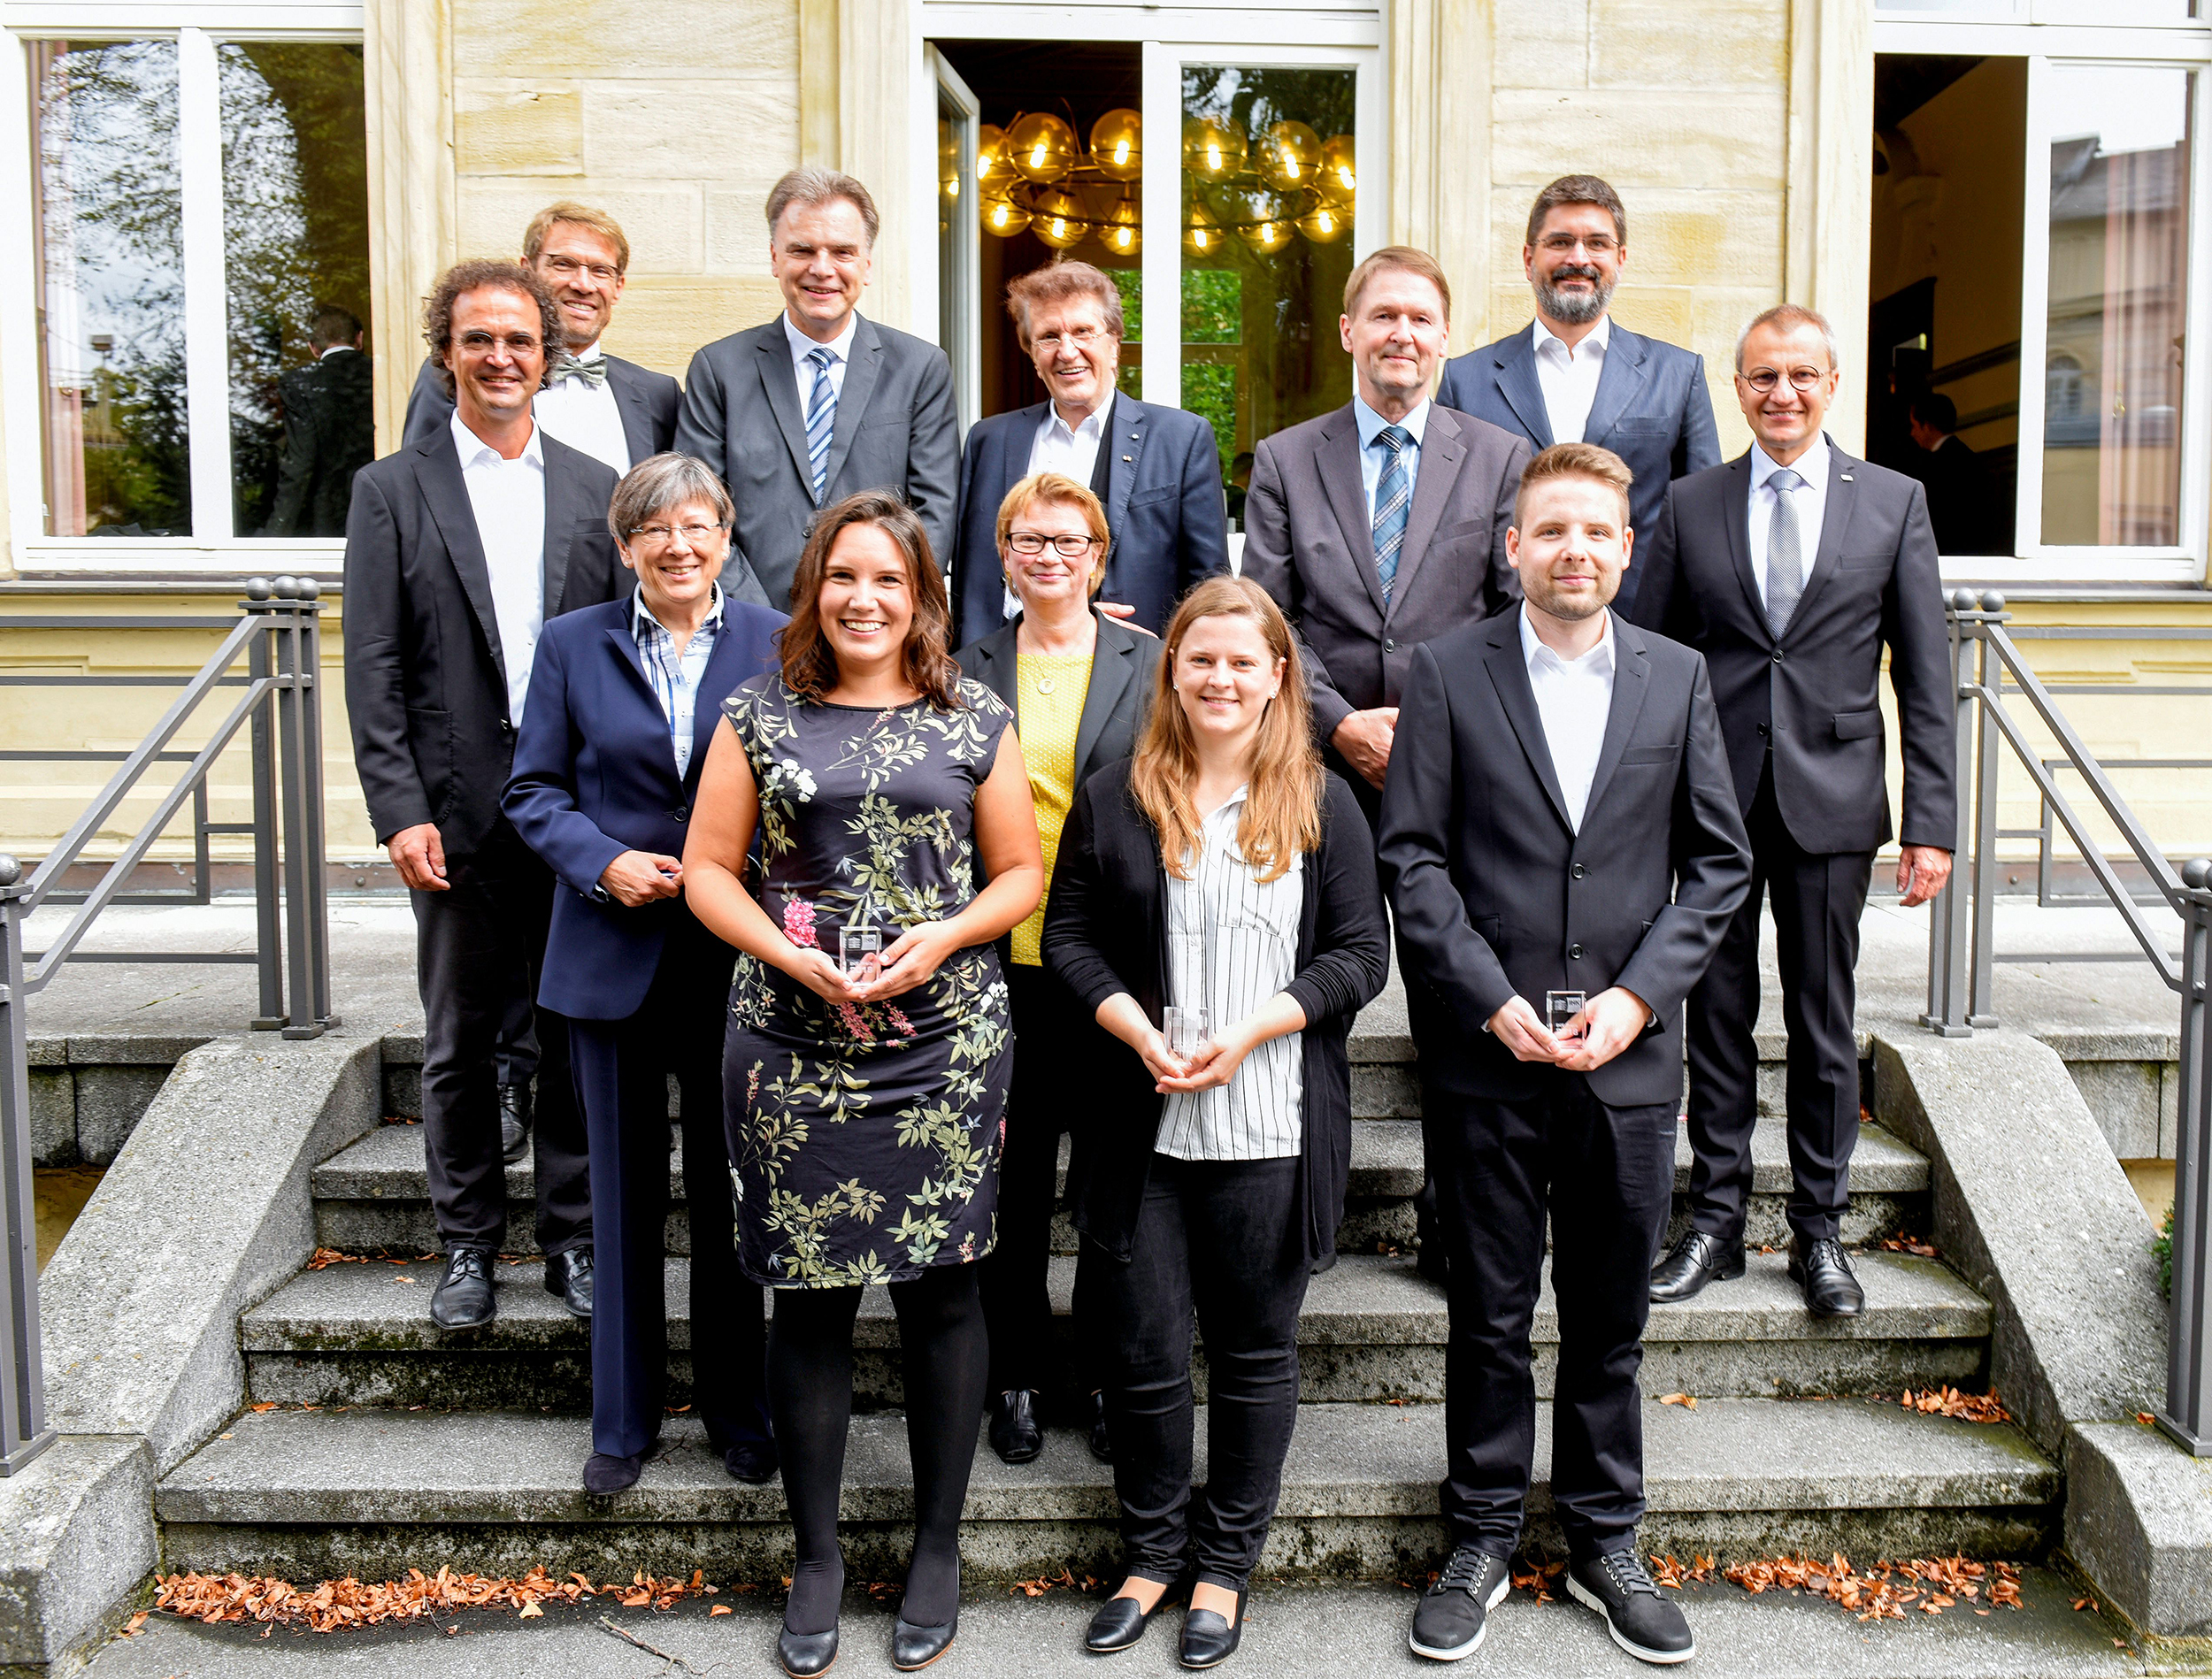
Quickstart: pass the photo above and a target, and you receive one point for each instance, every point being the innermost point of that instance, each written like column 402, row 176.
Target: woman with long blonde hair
column 1215, row 908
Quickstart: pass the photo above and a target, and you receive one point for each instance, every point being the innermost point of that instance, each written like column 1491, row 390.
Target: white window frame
column 199, row 30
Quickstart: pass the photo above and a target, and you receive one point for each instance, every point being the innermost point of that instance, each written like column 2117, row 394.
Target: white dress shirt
column 1574, row 699
column 1055, row 449
column 508, row 498
column 1372, row 454
column 841, row 349
column 585, row 419
column 1810, row 503
column 1569, row 377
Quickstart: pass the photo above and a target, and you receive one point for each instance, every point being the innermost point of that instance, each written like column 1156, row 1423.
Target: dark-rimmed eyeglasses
column 1069, row 546
column 1764, row 379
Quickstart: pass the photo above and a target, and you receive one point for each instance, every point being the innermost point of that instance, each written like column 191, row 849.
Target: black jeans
column 1607, row 1176
column 479, row 945
column 1221, row 1237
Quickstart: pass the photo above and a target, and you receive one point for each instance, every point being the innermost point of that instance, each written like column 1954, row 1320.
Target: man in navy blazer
column 1571, row 376
column 1156, row 470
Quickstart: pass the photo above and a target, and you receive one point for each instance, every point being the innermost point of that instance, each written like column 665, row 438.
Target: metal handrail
column 1987, row 668
column 279, row 633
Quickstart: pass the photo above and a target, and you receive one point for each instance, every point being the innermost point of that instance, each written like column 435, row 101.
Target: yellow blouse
column 1046, row 718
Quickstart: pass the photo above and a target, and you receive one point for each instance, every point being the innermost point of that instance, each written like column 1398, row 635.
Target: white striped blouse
column 1232, row 944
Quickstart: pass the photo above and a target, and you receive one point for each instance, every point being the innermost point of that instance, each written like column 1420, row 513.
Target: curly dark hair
column 463, row 278
column 810, row 664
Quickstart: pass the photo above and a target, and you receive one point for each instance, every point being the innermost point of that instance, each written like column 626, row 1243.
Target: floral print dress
column 865, row 1136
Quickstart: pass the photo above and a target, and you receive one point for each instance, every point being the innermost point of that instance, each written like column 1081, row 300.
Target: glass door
column 959, row 300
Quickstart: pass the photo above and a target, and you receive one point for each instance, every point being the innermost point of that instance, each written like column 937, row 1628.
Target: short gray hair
column 814, row 185
column 1786, row 315
column 663, row 482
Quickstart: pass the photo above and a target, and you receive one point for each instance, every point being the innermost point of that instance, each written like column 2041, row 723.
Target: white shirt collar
column 841, row 346
column 1598, row 661
column 1599, row 337
column 337, row 349
column 1371, row 424
column 591, row 353
column 1812, row 465
column 1093, row 423
column 474, row 448
column 640, row 612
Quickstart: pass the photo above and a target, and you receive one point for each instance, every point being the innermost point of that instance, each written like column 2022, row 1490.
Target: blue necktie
column 1394, row 499
column 821, row 419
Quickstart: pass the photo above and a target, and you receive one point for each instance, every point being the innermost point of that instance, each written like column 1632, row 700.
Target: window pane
column 2118, row 282
column 295, row 264
column 111, row 267
column 1268, row 191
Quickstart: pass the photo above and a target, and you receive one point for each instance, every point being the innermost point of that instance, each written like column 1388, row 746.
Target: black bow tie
column 593, row 373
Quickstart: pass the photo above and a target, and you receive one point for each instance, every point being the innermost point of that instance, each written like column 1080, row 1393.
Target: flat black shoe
column 1120, row 1622
column 1101, row 1442
column 1453, row 1614
column 1208, row 1640
column 1643, row 1621
column 913, row 1647
column 1697, row 1260
column 605, row 1474
column 514, row 1122
column 755, row 1462
column 568, row 1280
column 804, row 1654
column 1015, row 1435
column 1822, row 1270
column 462, row 1299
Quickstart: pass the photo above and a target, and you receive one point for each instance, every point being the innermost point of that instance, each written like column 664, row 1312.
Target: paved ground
column 1346, row 1632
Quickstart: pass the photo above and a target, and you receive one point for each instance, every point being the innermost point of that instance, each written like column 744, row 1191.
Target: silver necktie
column 1785, row 560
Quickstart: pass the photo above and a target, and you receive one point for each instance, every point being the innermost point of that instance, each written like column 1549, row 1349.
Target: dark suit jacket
column 1815, row 697
column 1165, row 511
column 1652, row 409
column 648, row 402
column 594, row 776
column 1496, row 896
column 1114, row 706
column 1310, row 543
column 1106, row 931
column 329, row 435
column 426, row 678
column 896, row 430
column 1959, row 500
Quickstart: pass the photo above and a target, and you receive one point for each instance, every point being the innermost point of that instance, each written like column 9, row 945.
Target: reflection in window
column 108, row 231
column 2118, row 280
column 295, row 254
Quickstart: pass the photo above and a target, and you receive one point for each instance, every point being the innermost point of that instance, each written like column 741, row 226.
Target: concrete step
column 374, row 1196
column 316, row 1494
column 1372, row 1330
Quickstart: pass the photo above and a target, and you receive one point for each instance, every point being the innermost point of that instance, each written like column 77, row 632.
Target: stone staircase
column 389, row 1447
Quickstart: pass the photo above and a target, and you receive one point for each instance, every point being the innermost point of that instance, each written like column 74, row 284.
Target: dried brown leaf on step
column 721, row 1609
column 1948, row 1401
column 326, row 1257
column 1902, row 1243
column 530, row 1612
column 1684, row 1401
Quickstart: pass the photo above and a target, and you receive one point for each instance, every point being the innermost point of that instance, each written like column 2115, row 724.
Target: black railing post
column 311, row 667
column 2187, row 1414
column 268, row 940
column 23, row 1430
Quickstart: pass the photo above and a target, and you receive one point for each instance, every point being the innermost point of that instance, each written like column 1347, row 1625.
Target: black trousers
column 1818, row 900
column 622, row 1072
column 1218, row 1239
column 1607, row 1176
column 1041, row 1106
column 477, row 947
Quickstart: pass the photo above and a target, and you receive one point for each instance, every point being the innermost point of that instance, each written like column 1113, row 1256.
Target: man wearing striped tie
column 821, row 403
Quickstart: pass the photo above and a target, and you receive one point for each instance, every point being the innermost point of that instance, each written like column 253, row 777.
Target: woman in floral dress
column 864, row 1095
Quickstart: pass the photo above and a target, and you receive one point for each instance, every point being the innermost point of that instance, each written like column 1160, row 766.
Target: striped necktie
column 821, row 419
column 1394, row 499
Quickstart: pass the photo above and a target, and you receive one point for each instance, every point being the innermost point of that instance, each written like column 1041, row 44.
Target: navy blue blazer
column 1165, row 512
column 1652, row 410
column 594, row 776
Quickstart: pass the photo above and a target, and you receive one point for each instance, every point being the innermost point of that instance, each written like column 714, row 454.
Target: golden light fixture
column 991, row 167
column 1201, row 233
column 1117, row 144
column 1290, row 157
column 1325, row 224
column 1212, row 150
column 947, row 165
column 1340, row 172
column 1265, row 237
column 1002, row 216
column 1058, row 219
column 1041, row 147
column 1124, row 232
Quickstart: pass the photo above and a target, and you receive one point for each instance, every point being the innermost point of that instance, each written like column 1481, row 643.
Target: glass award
column 1560, row 1007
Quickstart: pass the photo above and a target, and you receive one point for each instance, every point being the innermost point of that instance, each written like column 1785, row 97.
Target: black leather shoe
column 603, row 1474
column 754, row 1462
column 914, row 1647
column 1101, row 1442
column 1121, row 1621
column 1820, row 1268
column 462, row 1299
column 568, row 1280
column 1015, row 1435
column 1697, row 1260
column 804, row 1654
column 514, row 1122
column 1208, row 1640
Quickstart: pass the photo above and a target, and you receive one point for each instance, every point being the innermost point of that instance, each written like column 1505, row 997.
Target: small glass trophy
column 860, row 951
column 1185, row 1029
column 1559, row 1007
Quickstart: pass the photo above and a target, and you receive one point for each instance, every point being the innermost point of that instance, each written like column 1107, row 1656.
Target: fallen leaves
column 1948, row 1401
column 336, row 1605
column 1668, row 1572
column 1538, row 1581
column 1887, row 1590
column 1901, row 1243
column 1064, row 1580
column 1686, row 1401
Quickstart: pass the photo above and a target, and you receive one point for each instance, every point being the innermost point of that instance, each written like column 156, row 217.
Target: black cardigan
column 1105, row 931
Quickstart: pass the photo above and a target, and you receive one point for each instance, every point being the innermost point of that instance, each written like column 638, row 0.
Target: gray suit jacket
column 896, row 430
column 1308, row 542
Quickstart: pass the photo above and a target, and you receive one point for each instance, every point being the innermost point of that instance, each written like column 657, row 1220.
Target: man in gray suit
column 821, row 403
column 1382, row 525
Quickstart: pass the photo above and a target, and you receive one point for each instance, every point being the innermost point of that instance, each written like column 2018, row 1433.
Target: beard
column 1570, row 608
column 1574, row 308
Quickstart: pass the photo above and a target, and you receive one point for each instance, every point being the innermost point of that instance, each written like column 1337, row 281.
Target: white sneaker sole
column 1462, row 1651
column 1589, row 1600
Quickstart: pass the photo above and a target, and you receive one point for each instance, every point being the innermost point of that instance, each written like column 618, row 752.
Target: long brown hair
column 810, row 665
column 1282, row 812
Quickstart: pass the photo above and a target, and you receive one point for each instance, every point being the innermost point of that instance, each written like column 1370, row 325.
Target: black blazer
column 426, row 678
column 1164, row 510
column 1814, row 696
column 329, row 435
column 1496, row 896
column 1106, row 931
column 1114, row 706
column 648, row 402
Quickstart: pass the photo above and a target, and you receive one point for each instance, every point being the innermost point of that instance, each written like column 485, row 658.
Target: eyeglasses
column 568, row 268
column 482, row 343
column 1082, row 337
column 1596, row 245
column 1069, row 547
column 1765, row 379
column 657, row 535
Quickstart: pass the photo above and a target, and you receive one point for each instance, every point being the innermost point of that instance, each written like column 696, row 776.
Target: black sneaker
column 1453, row 1612
column 1643, row 1621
